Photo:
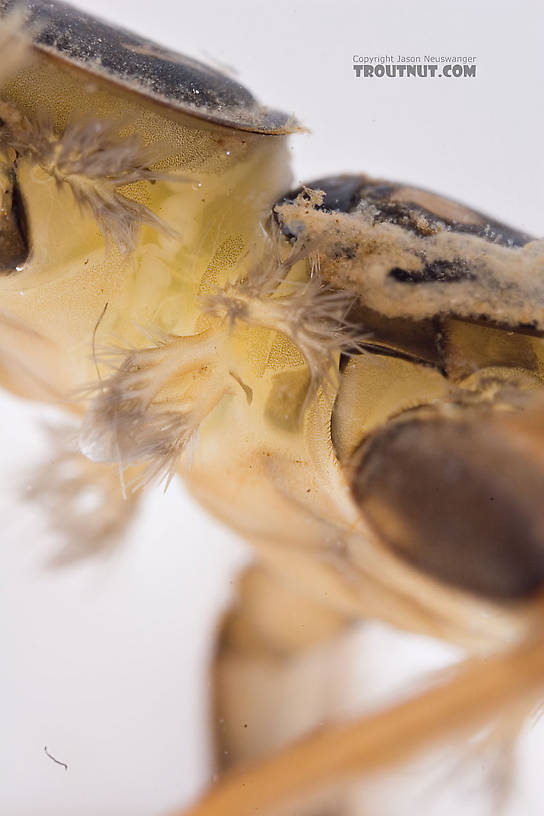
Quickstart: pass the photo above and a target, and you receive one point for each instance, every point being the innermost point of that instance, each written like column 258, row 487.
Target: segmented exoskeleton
column 349, row 374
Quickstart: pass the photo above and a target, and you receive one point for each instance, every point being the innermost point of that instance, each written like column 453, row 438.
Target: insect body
column 349, row 374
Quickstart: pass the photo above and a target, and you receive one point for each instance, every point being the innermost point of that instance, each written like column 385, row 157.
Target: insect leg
column 280, row 671
column 476, row 691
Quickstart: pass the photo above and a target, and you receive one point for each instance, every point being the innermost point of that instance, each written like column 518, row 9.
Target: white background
column 105, row 663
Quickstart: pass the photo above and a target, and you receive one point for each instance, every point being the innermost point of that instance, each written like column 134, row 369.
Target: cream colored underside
column 269, row 474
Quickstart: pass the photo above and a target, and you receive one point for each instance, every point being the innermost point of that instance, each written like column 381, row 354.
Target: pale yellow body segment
column 193, row 352
column 216, row 207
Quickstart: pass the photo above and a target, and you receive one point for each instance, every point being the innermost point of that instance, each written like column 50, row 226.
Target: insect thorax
column 265, row 349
